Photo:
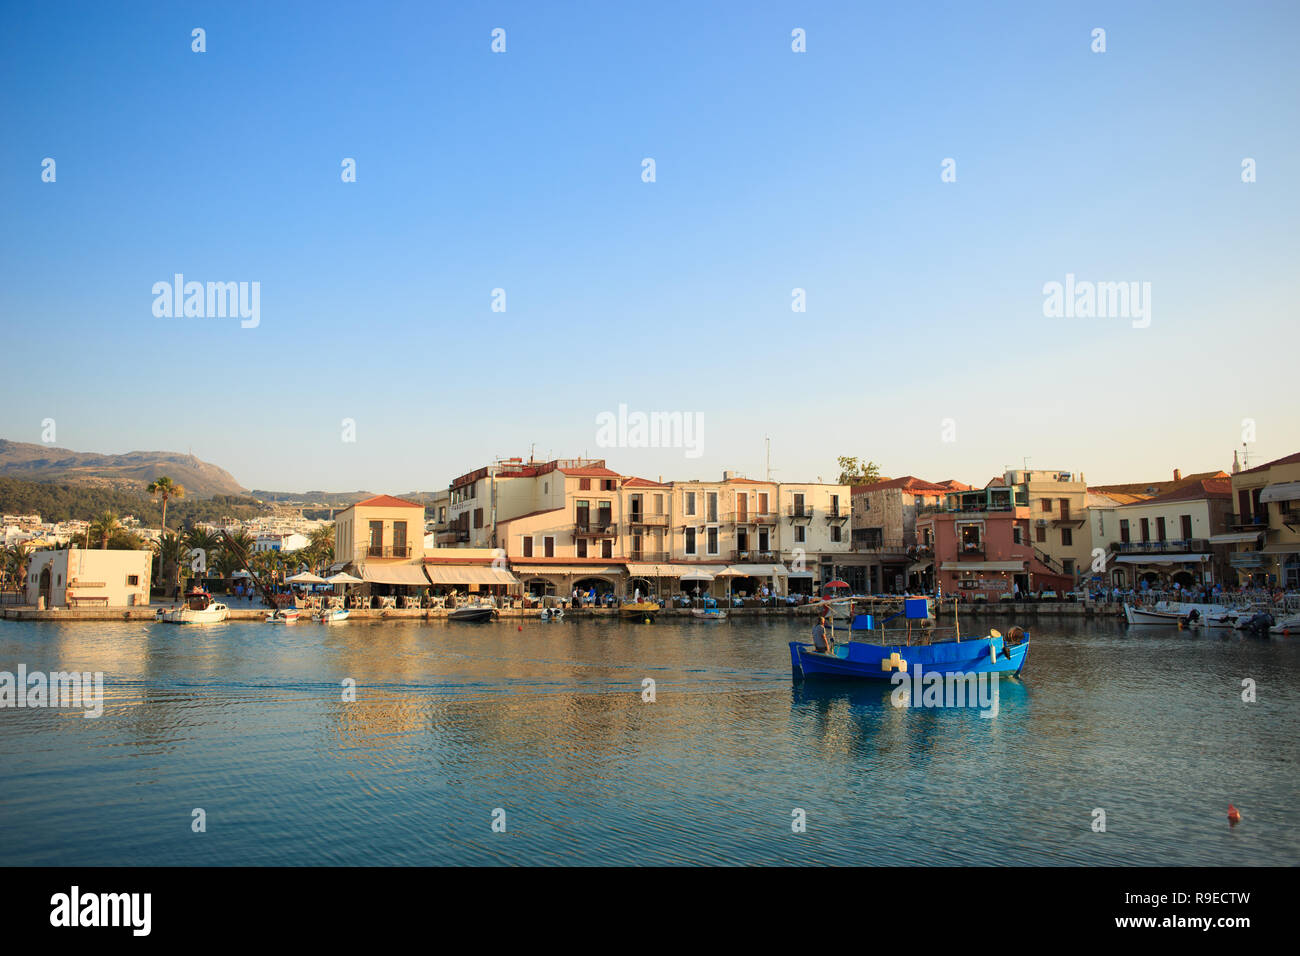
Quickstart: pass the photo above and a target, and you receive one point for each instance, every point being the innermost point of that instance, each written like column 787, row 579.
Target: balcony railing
column 795, row 512
column 391, row 551
column 750, row 517
column 648, row 557
column 595, row 528
column 647, row 520
column 1181, row 546
column 1248, row 522
column 754, row 556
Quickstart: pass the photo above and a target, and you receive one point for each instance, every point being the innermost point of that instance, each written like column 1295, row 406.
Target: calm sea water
column 547, row 723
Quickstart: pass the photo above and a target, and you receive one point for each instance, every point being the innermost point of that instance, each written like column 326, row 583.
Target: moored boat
column 708, row 614
column 332, row 615
column 639, row 610
column 284, row 615
column 199, row 608
column 474, row 613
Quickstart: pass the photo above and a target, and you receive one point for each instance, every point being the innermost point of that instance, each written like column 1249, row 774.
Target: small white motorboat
column 708, row 614
column 1288, row 626
column 284, row 615
column 199, row 608
column 552, row 614
column 332, row 615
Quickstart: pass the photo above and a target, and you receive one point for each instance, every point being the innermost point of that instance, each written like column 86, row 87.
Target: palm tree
column 103, row 528
column 320, row 546
column 171, row 556
column 204, row 541
column 164, row 488
column 15, row 560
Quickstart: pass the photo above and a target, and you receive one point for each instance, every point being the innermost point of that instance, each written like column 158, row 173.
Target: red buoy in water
column 1234, row 815
column 521, row 627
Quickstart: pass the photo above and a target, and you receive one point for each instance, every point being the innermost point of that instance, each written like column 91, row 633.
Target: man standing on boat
column 820, row 641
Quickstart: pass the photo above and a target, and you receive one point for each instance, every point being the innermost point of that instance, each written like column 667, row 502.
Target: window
column 1186, row 521
column 712, row 502
column 478, row 517
column 584, row 484
column 835, row 504
column 582, row 547
column 1040, row 535
column 1123, row 530
column 799, row 534
column 132, row 580
column 549, row 546
column 659, row 504
column 798, row 505
column 1160, row 528
column 762, row 503
column 762, row 540
column 1047, row 504
column 1016, row 536
column 688, row 501
column 835, row 532
column 1146, row 529
column 399, row 536
column 713, row 540
column 1065, row 508
column 1067, row 565
column 690, row 540
column 376, row 537
column 528, row 546
column 607, row 548
column 1067, row 537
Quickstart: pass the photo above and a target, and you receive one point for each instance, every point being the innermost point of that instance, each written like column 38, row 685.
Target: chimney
column 1178, row 475
column 1236, row 465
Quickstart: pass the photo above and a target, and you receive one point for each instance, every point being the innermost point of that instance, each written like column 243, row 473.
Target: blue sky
column 774, row 170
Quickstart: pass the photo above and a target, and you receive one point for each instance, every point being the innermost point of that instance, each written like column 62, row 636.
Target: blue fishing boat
column 860, row 658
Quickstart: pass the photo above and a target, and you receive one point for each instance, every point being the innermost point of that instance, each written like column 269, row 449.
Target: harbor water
column 545, row 730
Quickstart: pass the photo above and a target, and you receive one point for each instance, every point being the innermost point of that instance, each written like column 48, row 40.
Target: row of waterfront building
column 555, row 526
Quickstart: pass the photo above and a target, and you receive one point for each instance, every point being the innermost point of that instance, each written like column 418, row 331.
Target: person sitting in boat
column 820, row 640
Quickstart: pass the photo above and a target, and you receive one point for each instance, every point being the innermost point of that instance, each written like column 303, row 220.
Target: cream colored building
column 76, row 577
column 814, row 531
column 1265, row 518
column 382, row 540
column 1058, row 518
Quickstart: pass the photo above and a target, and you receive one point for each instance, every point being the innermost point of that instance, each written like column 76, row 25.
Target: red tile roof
column 589, row 472
column 645, row 483
column 530, row 514
column 388, row 501
column 907, row 483
column 746, row 481
column 1191, row 491
column 1288, row 460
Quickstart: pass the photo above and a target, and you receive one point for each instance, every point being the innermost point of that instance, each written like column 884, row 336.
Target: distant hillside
column 333, row 499
column 59, row 501
column 126, row 472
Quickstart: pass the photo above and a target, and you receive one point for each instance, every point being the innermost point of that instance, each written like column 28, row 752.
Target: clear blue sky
column 775, row 170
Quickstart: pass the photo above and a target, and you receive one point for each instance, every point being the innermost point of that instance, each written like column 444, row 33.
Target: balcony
column 1247, row 522
column 797, row 513
column 450, row 536
column 642, row 520
column 648, row 557
column 753, row 556
column 971, row 550
column 750, row 517
column 391, row 551
column 595, row 528
column 837, row 515
column 1183, row 546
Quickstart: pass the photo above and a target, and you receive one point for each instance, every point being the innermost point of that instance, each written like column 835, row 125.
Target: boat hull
column 709, row 615
column 334, row 615
column 472, row 615
column 185, row 615
column 859, row 661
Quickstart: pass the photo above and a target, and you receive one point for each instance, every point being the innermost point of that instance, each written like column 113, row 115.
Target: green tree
column 103, row 527
column 854, row 472
column 165, row 489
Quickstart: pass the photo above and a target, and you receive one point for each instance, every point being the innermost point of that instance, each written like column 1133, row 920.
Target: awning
column 651, row 570
column 801, row 574
column 1236, row 537
column 337, row 566
column 1163, row 558
column 468, row 574
column 1285, row 491
column 754, row 571
column 982, row 566
column 409, row 574
column 575, row 570
column 918, row 566
column 1292, row 548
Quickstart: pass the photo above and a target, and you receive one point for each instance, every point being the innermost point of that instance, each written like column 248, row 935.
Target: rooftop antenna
column 767, row 460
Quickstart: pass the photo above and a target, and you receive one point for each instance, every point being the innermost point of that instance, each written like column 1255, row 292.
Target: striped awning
column 468, row 574
column 408, row 574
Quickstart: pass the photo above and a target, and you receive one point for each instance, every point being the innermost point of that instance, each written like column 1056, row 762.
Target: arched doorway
column 46, row 588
